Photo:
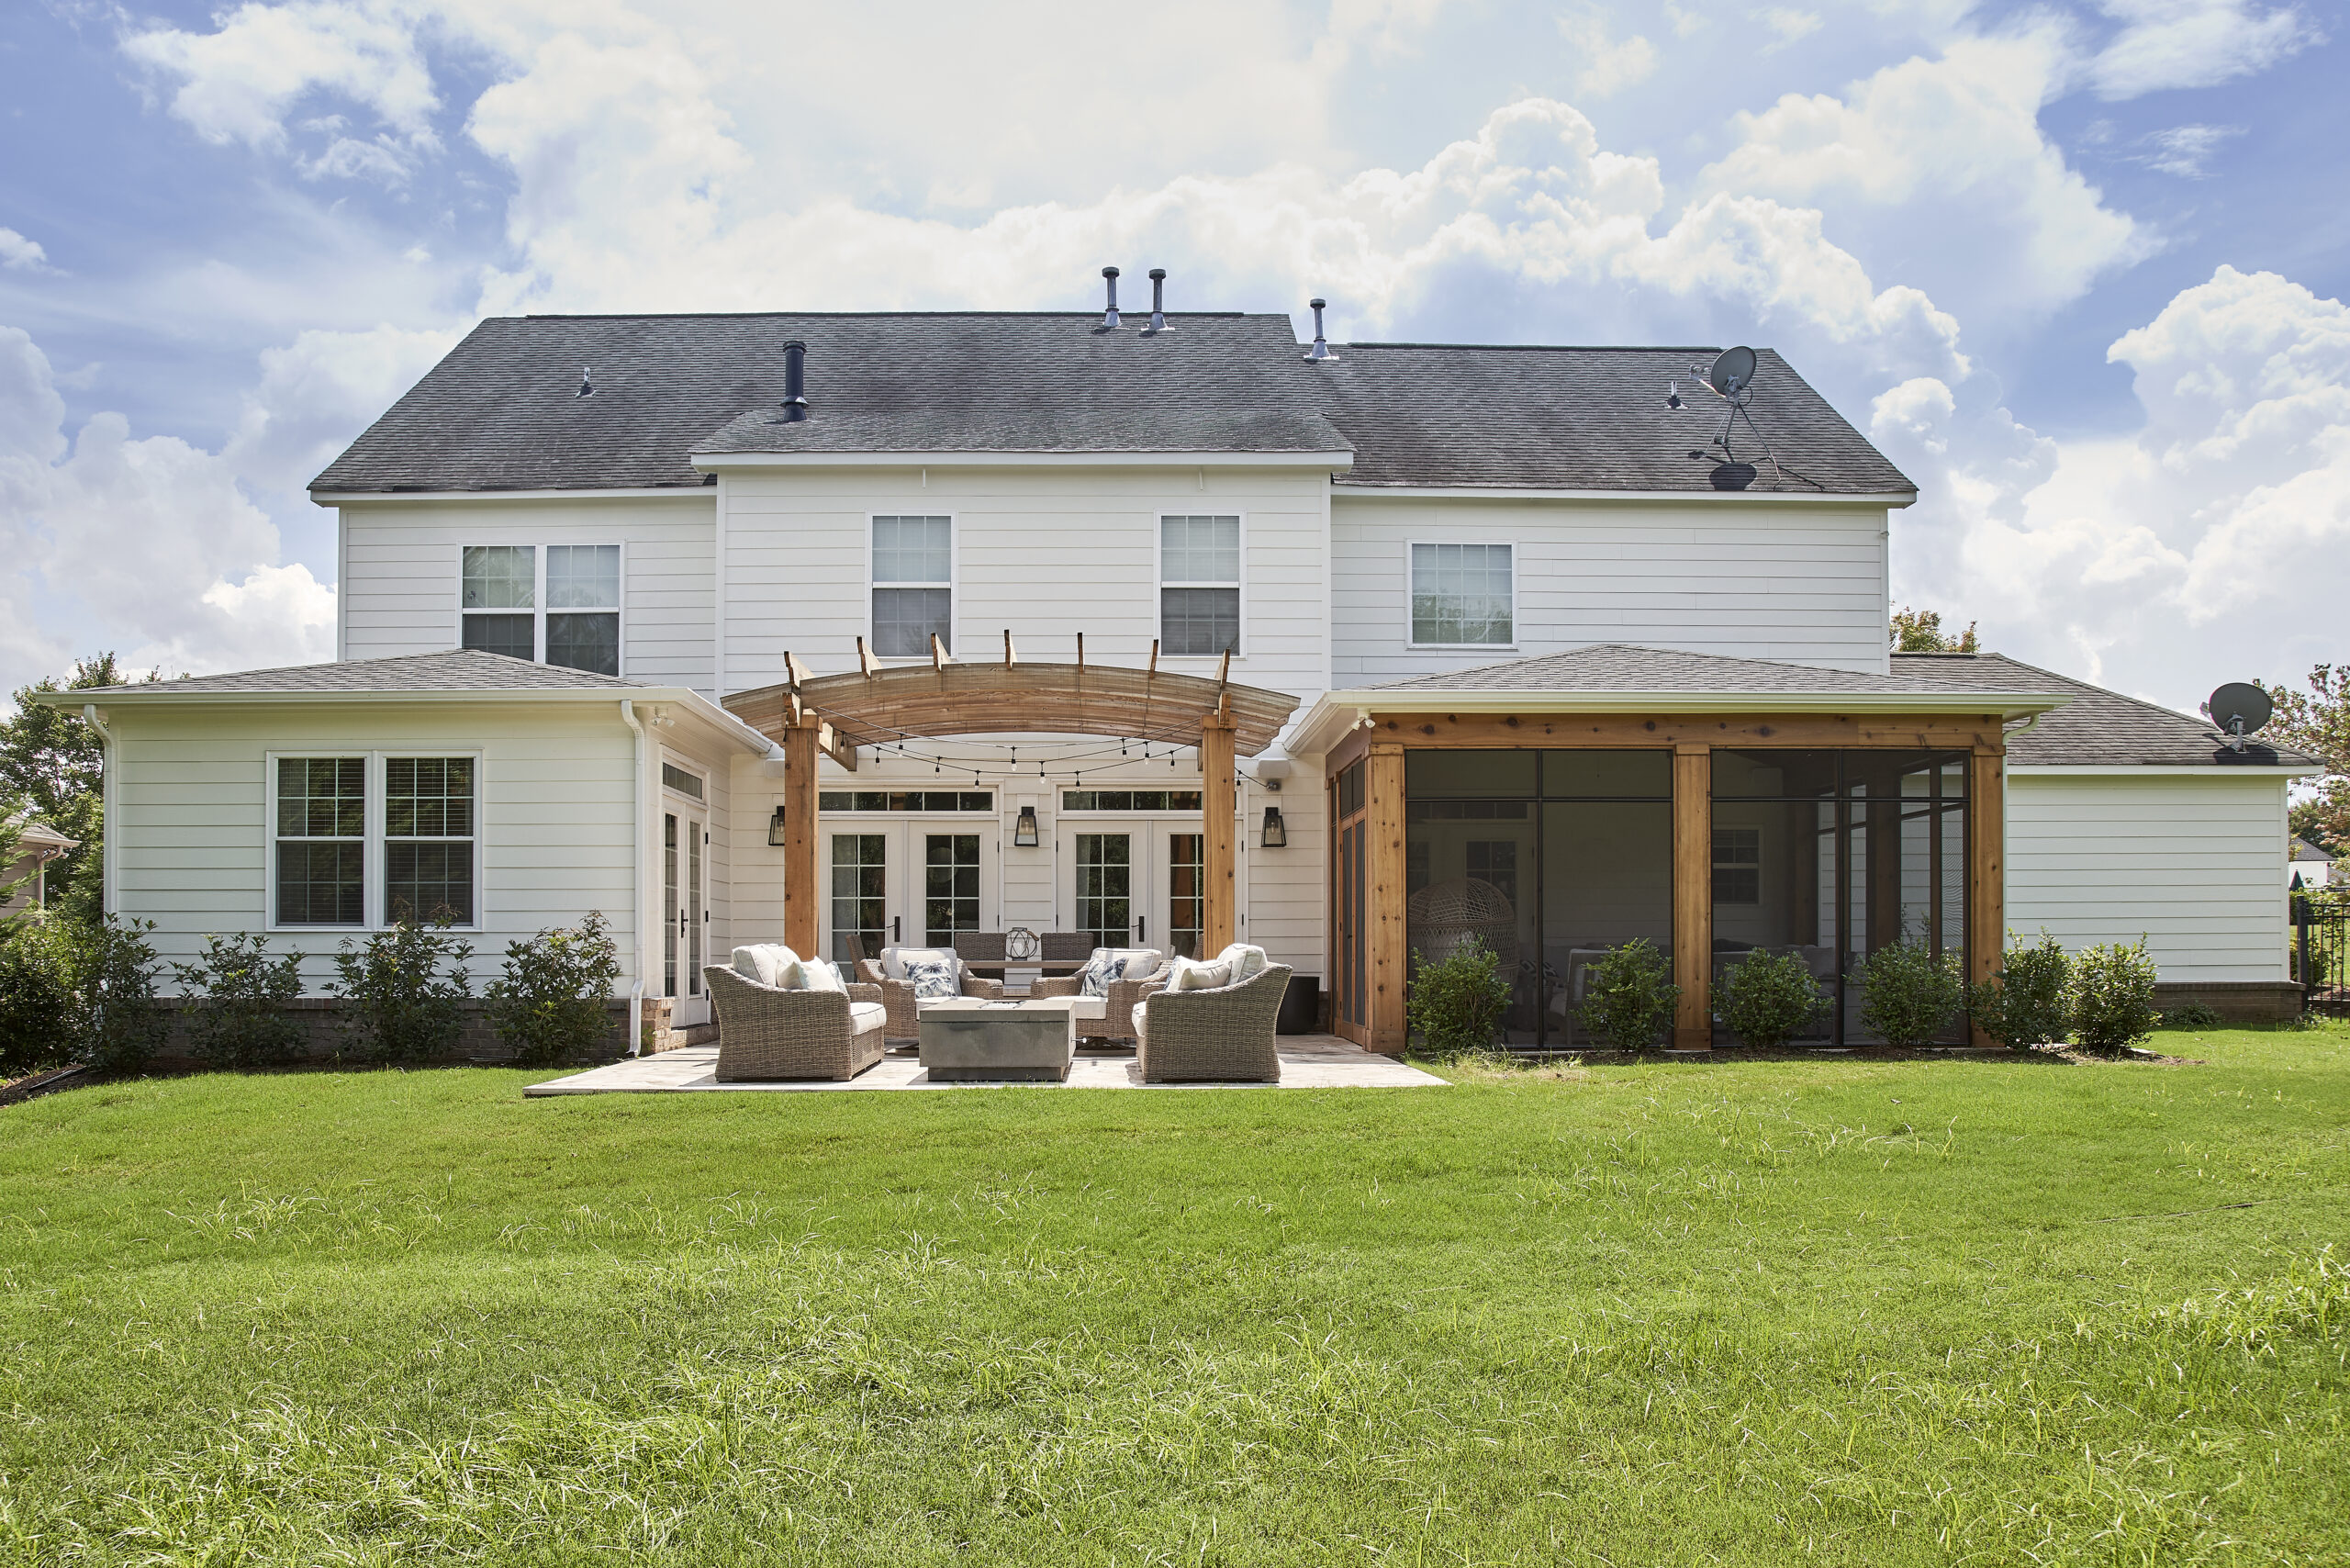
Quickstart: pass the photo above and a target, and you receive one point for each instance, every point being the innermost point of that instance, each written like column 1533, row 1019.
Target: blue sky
column 2077, row 269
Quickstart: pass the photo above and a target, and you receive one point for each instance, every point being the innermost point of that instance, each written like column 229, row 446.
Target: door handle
column 894, row 939
column 1142, row 929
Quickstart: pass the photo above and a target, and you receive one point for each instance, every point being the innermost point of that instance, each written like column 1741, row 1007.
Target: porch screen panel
column 860, row 895
column 321, row 840
column 950, row 886
column 1471, row 851
column 428, row 821
column 1607, row 872
column 1105, row 888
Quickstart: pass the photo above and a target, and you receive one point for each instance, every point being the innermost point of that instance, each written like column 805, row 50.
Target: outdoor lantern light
column 775, row 828
column 1024, row 832
column 1276, row 836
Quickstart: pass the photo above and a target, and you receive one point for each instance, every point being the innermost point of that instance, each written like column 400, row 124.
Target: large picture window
column 561, row 605
column 913, row 585
column 1199, row 592
column 321, row 840
column 1463, row 596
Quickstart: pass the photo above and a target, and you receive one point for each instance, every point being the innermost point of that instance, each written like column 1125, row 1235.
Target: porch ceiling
column 890, row 704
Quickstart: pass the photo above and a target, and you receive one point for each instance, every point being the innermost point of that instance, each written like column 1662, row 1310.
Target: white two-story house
column 1546, row 663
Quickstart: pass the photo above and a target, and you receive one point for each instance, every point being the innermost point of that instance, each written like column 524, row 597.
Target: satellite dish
column 1733, row 371
column 2239, row 708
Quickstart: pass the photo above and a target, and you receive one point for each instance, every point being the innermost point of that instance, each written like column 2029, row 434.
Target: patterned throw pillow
column 1106, row 964
column 932, row 978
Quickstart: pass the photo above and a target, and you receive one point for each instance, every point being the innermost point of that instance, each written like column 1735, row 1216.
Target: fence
column 2321, row 950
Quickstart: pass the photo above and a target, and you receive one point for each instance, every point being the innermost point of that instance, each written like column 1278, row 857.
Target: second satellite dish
column 2239, row 708
column 1732, row 372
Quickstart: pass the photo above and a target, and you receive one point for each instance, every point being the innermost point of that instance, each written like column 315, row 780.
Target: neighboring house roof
column 36, row 838
column 2305, row 852
column 2097, row 728
column 460, row 670
column 502, row 411
column 1583, row 419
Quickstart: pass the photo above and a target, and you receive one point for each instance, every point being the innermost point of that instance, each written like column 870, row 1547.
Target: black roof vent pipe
column 1321, row 348
column 1157, row 302
column 1110, row 317
column 795, row 382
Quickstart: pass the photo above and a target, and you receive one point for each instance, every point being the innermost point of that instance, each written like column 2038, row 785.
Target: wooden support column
column 1221, row 893
column 1390, row 956
column 801, row 887
column 1693, row 895
column 1987, row 868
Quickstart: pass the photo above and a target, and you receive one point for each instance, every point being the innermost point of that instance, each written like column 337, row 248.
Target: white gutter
column 2166, row 770
column 637, row 806
column 617, row 492
column 94, row 716
column 1353, row 490
column 712, row 461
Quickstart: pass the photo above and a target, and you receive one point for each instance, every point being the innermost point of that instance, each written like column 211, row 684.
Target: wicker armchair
column 1225, row 1034
column 898, row 996
column 1119, row 1002
column 766, row 1032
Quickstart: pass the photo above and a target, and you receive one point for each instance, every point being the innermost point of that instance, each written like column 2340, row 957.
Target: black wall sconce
column 1276, row 836
column 775, row 828
column 1024, row 832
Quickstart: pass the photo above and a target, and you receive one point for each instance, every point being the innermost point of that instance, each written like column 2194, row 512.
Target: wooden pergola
column 837, row 715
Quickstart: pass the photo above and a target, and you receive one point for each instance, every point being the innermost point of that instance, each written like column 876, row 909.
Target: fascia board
column 617, row 493
column 712, row 461
column 2266, row 772
column 1890, row 499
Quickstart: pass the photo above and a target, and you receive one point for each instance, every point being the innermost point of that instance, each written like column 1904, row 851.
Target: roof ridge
column 1081, row 314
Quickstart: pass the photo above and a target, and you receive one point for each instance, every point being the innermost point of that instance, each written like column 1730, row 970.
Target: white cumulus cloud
column 19, row 253
column 237, row 82
column 2194, row 43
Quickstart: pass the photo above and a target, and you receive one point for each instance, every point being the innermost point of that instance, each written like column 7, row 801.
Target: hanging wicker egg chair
column 1440, row 919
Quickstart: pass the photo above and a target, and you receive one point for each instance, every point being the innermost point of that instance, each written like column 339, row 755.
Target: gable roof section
column 1630, row 669
column 1583, row 419
column 2096, row 728
column 502, row 410
column 461, row 669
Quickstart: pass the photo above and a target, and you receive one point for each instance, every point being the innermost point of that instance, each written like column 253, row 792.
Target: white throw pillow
column 764, row 962
column 1140, row 961
column 1246, row 961
column 895, row 959
column 1189, row 974
column 809, row 974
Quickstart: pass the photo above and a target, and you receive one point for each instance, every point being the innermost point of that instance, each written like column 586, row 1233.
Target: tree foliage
column 57, row 763
column 1920, row 631
column 2318, row 721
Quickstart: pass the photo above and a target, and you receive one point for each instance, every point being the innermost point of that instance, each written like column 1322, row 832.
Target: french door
column 908, row 884
column 1134, row 884
column 684, row 907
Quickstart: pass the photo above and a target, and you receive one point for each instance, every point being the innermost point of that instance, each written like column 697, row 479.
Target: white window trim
column 538, row 549
column 372, row 858
column 954, row 584
column 1716, row 864
column 1516, row 561
column 1158, row 580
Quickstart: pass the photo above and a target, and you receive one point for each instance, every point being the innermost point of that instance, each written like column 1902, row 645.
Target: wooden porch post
column 1390, row 958
column 1220, row 894
column 1693, row 895
column 1986, row 870
column 800, row 884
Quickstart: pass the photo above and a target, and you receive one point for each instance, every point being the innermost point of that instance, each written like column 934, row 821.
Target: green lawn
column 1825, row 1310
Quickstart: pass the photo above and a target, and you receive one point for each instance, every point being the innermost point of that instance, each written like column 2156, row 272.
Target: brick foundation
column 321, row 1021
column 2236, row 1002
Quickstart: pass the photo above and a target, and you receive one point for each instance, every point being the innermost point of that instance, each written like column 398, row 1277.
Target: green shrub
column 1628, row 997
column 1767, row 999
column 405, row 990
column 2113, row 997
column 1457, row 1004
column 554, row 1001
column 36, row 1004
column 2026, row 1003
column 238, row 994
column 2194, row 1015
column 1908, row 995
column 113, row 1021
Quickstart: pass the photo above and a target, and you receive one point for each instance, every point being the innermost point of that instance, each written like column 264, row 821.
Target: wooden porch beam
column 1669, row 730
column 1693, row 896
column 800, row 888
column 1220, row 890
column 1987, row 868
column 1390, row 956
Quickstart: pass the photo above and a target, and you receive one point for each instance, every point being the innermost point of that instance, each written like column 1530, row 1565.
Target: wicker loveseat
column 1224, row 1034
column 898, row 995
column 765, row 1031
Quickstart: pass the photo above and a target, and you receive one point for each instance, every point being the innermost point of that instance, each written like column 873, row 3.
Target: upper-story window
column 1199, row 586
column 561, row 604
column 1463, row 596
column 913, row 585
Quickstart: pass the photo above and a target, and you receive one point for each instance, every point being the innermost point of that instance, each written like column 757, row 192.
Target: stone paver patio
column 1308, row 1061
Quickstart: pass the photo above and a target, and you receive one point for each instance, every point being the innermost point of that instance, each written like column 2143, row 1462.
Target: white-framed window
column 559, row 604
column 1199, row 586
column 1463, row 596
column 912, row 584
column 1738, row 865
column 358, row 841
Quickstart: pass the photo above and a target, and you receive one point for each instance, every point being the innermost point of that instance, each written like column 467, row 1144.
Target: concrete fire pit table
column 965, row 1039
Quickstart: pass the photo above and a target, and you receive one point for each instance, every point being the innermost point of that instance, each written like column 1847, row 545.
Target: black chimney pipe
column 1110, row 317
column 1157, row 299
column 795, row 382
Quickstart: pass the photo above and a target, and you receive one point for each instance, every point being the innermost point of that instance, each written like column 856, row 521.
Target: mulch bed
column 40, row 1083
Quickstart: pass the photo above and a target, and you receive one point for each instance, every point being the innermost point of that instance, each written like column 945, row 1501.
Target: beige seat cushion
column 765, row 962
column 1188, row 974
column 867, row 1017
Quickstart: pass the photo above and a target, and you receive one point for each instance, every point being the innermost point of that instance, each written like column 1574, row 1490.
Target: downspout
column 91, row 716
column 636, row 860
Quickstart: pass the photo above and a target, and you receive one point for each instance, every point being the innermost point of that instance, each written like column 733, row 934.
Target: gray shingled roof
column 461, row 669
column 2098, row 728
column 502, row 410
column 1588, row 419
column 1625, row 667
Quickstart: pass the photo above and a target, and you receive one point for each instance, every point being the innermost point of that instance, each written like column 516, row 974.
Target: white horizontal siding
column 2194, row 864
column 1797, row 583
column 400, row 568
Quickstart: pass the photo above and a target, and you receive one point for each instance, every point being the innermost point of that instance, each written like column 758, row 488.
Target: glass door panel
column 696, row 911
column 1186, row 912
column 1103, row 873
column 669, row 904
column 950, row 887
column 860, row 896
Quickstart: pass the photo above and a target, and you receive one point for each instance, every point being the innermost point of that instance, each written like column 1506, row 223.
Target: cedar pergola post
column 800, row 888
column 1986, row 878
column 1219, row 890
column 1389, row 1031
column 1693, row 895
